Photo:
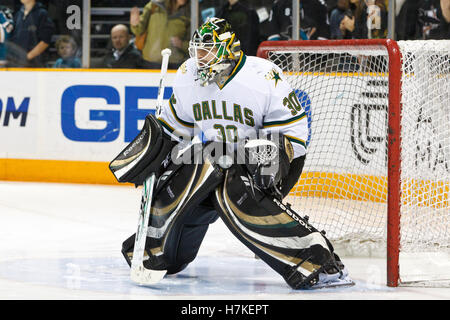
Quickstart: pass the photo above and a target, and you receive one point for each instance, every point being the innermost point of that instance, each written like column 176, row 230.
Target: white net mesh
column 425, row 175
column 343, row 188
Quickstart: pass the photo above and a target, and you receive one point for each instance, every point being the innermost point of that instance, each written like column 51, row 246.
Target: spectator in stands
column 342, row 21
column 405, row 23
column 445, row 21
column 66, row 48
column 423, row 20
column 370, row 19
column 313, row 20
column 331, row 5
column 433, row 19
column 123, row 54
column 162, row 24
column 33, row 30
column 245, row 23
column 356, row 6
column 6, row 28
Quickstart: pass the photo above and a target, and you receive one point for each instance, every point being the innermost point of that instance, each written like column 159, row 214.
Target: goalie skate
column 339, row 279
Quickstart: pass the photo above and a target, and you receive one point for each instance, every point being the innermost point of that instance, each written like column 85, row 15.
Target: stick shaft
column 164, row 64
column 139, row 273
column 144, row 215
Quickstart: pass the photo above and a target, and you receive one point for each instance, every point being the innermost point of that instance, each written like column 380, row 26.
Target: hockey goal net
column 377, row 173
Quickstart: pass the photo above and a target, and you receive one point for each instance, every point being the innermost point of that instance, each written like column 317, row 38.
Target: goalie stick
column 139, row 273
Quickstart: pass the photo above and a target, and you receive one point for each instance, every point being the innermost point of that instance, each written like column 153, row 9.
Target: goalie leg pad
column 281, row 238
column 183, row 242
column 179, row 218
column 186, row 236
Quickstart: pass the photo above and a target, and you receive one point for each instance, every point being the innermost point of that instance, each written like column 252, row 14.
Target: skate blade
column 339, row 283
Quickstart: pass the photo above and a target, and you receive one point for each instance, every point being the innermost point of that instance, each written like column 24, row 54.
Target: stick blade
column 144, row 276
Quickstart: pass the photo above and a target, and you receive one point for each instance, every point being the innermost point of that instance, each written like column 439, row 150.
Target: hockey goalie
column 229, row 144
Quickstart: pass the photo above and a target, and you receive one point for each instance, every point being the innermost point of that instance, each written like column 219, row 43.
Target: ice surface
column 62, row 241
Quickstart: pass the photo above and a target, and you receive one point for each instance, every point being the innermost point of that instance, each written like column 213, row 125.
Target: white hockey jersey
column 254, row 97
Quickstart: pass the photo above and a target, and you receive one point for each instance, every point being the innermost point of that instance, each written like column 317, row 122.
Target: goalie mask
column 215, row 48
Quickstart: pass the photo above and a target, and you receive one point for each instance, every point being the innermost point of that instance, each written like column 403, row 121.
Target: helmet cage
column 207, row 55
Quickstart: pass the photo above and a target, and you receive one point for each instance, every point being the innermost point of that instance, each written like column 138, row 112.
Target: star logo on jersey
column 274, row 75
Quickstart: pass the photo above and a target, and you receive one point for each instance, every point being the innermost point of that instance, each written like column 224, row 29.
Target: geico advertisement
column 92, row 116
column 79, row 115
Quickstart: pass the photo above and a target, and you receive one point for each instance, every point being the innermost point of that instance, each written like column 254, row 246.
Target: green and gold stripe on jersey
column 175, row 134
column 284, row 122
column 172, row 101
column 165, row 125
column 296, row 140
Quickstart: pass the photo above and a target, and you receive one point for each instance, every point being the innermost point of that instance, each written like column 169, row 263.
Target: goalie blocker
column 144, row 155
column 189, row 197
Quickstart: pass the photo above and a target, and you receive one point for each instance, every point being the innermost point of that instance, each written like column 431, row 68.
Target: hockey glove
column 144, row 155
column 268, row 160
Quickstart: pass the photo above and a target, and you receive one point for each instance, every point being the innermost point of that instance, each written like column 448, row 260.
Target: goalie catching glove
column 268, row 160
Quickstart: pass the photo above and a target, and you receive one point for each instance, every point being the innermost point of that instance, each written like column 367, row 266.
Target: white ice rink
column 63, row 241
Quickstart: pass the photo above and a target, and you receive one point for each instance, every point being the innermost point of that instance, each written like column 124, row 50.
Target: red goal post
column 366, row 78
